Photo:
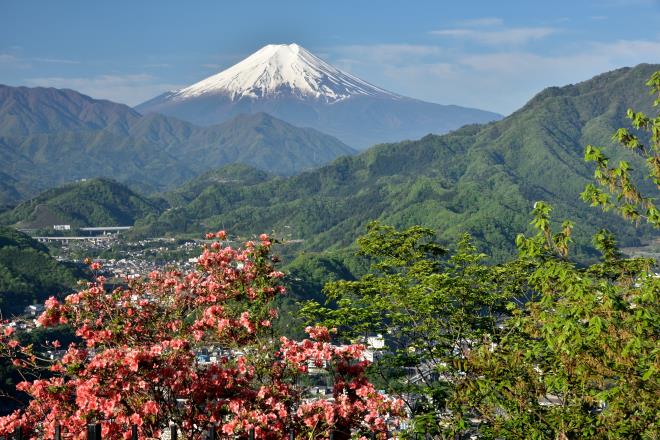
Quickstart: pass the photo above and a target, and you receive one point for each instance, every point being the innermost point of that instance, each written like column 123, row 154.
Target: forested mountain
column 26, row 111
column 482, row 178
column 28, row 274
column 235, row 175
column 95, row 202
column 261, row 141
column 49, row 137
column 291, row 83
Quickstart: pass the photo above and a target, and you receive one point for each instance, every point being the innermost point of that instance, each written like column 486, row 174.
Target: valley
column 434, row 222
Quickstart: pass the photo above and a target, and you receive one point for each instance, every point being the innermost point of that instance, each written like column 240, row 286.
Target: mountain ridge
column 482, row 179
column 292, row 84
column 32, row 110
column 94, row 202
column 49, row 137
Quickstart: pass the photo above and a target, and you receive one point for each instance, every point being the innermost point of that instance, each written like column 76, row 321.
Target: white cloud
column 595, row 57
column 482, row 22
column 387, row 53
column 630, row 3
column 128, row 89
column 9, row 60
column 6, row 58
column 157, row 66
column 508, row 36
column 499, row 80
column 56, row 61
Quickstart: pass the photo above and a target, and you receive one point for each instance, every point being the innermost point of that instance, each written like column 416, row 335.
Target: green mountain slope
column 482, row 178
column 236, row 175
column 28, row 274
column 206, row 195
column 27, row 111
column 96, row 202
column 49, row 137
column 264, row 142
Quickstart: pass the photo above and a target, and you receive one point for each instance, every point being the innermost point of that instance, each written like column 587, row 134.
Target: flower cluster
column 137, row 363
column 356, row 404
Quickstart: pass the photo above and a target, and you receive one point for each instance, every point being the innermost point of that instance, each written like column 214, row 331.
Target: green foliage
column 96, row 202
column 538, row 347
column 428, row 306
column 621, row 192
column 28, row 275
column 479, row 179
column 307, row 273
column 234, row 175
column 579, row 359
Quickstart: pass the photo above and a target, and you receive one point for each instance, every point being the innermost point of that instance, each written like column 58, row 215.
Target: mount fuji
column 291, row 83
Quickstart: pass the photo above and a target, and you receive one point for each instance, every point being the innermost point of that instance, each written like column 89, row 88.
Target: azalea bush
column 138, row 361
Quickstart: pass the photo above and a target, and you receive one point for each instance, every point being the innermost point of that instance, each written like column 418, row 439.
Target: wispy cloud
column 388, row 53
column 630, row 3
column 481, row 22
column 594, row 57
column 157, row 66
column 130, row 89
column 498, row 79
column 6, row 58
column 506, row 36
column 55, row 61
column 12, row 61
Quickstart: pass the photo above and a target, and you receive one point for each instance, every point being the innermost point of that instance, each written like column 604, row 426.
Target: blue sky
column 488, row 54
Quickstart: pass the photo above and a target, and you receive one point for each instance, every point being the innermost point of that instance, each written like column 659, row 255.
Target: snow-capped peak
column 282, row 69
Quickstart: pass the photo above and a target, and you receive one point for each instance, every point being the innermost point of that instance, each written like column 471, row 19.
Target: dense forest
column 93, row 202
column 28, row 274
column 480, row 179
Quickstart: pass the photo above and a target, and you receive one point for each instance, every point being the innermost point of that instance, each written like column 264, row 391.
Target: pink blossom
column 137, row 363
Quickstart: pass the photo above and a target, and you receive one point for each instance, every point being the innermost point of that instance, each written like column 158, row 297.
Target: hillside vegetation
column 482, row 179
column 49, row 137
column 95, row 202
column 28, row 274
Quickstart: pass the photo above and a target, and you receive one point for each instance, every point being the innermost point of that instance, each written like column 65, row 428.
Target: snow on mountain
column 289, row 82
column 282, row 69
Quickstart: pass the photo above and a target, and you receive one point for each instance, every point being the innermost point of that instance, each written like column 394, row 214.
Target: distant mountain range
column 291, row 83
column 49, row 137
column 483, row 179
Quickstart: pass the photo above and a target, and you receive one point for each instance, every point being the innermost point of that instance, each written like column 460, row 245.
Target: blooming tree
column 138, row 364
